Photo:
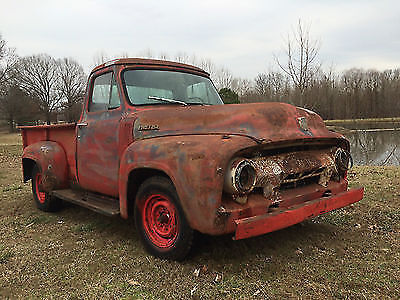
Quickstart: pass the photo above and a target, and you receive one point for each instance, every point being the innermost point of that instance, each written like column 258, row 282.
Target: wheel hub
column 160, row 220
column 40, row 194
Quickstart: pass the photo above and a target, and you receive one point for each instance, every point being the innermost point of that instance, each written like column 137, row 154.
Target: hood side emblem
column 147, row 127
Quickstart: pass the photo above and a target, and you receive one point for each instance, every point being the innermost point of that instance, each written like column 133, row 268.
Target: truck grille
column 290, row 170
column 301, row 179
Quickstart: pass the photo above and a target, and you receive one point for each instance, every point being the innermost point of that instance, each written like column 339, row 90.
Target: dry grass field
column 350, row 253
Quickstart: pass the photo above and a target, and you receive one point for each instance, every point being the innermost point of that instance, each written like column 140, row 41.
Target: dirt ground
column 350, row 253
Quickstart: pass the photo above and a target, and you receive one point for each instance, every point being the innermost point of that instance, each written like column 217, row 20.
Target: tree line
column 355, row 93
column 301, row 80
column 40, row 88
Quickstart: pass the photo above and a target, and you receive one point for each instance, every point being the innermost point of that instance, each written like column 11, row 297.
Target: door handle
column 80, row 125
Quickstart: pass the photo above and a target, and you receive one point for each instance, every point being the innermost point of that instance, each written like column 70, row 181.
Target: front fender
column 196, row 164
column 51, row 160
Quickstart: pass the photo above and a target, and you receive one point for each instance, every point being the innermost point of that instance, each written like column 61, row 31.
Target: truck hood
column 262, row 122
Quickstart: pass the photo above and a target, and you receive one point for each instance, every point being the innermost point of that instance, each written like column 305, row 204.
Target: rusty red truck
column 155, row 142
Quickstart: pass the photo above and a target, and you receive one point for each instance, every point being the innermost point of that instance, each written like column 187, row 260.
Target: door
column 97, row 137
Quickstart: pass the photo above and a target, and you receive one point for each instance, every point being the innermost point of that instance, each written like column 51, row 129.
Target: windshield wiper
column 167, row 100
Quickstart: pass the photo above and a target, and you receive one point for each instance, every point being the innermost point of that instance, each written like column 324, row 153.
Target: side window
column 105, row 93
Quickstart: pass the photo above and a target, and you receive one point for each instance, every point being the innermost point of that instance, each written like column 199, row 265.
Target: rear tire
column 44, row 201
column 160, row 221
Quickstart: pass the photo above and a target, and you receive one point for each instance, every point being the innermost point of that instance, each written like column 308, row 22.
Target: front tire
column 44, row 201
column 160, row 221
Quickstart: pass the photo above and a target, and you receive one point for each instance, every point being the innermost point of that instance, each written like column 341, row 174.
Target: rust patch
column 197, row 156
column 263, row 122
column 276, row 171
column 49, row 181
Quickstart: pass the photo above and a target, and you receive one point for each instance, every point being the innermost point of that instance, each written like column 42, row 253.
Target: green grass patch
column 39, row 219
column 84, row 228
column 5, row 254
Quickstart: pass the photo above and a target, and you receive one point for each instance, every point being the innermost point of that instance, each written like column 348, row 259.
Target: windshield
column 147, row 87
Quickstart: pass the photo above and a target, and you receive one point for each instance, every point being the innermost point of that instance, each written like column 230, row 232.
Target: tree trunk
column 48, row 118
column 11, row 124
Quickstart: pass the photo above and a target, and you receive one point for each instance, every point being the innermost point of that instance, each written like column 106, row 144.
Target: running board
column 99, row 203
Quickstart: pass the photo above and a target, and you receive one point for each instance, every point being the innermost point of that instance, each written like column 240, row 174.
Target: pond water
column 374, row 143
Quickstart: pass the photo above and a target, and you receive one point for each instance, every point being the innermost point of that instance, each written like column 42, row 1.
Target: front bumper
column 261, row 224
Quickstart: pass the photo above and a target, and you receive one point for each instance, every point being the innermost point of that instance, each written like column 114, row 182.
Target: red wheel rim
column 40, row 195
column 160, row 221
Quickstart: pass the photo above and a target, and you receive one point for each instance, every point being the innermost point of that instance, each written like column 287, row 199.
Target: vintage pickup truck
column 156, row 142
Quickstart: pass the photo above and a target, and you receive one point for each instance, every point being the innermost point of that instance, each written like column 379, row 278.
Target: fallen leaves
column 192, row 291
column 373, row 227
column 298, row 251
column 134, row 282
column 200, row 270
column 218, row 278
column 30, row 224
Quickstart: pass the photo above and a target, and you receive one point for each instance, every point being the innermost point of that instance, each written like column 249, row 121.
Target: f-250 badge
column 148, row 127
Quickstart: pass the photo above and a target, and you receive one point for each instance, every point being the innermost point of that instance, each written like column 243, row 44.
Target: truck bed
column 63, row 134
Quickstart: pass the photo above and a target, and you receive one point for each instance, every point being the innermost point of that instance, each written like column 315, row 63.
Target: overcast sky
column 242, row 35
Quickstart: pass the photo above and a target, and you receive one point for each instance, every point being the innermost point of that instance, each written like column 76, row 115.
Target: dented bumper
column 261, row 224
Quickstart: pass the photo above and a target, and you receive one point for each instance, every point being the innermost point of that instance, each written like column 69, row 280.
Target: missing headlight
column 240, row 178
column 343, row 160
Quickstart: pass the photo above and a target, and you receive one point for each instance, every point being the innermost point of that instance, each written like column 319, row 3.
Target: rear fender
column 51, row 159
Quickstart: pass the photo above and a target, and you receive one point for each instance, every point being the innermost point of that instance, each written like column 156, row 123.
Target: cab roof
column 143, row 62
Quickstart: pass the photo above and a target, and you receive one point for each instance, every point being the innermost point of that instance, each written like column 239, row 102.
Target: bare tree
column 163, row 56
column 182, row 57
column 272, row 86
column 208, row 66
column 100, row 58
column 38, row 76
column 8, row 59
column 261, row 84
column 301, row 52
column 17, row 107
column 71, row 85
column 222, row 78
column 241, row 86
